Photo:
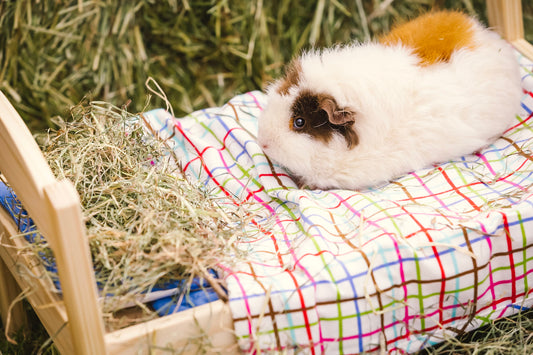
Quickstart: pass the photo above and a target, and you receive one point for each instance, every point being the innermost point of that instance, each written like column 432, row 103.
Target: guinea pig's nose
column 263, row 143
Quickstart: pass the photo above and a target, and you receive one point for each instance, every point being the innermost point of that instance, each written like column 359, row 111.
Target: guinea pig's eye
column 298, row 123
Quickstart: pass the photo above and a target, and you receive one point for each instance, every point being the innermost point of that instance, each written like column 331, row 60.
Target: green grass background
column 53, row 53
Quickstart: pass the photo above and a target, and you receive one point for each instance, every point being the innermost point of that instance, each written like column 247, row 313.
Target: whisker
column 320, row 125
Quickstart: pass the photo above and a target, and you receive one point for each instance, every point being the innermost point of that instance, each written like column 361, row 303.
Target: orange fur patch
column 434, row 36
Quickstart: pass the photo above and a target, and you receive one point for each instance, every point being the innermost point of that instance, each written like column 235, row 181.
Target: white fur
column 408, row 116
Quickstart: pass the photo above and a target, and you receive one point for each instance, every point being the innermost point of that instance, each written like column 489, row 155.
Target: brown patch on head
column 319, row 116
column 434, row 36
column 292, row 76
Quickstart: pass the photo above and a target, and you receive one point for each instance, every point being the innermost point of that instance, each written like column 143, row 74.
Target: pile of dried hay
column 146, row 223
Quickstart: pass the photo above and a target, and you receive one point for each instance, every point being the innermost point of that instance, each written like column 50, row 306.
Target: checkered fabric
column 431, row 255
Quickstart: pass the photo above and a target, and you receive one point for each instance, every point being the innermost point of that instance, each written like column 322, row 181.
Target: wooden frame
column 75, row 319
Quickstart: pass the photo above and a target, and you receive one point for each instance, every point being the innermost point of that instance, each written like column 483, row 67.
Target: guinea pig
column 357, row 115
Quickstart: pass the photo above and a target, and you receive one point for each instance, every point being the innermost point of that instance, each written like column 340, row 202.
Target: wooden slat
column 74, row 267
column 181, row 331
column 47, row 305
column 23, row 164
column 524, row 47
column 9, row 291
column 506, row 17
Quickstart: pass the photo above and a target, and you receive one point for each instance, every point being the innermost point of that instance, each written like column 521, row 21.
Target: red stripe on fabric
column 522, row 123
column 230, row 273
column 306, row 318
column 272, row 238
column 200, row 154
column 189, row 163
column 425, row 230
column 511, row 256
column 252, row 193
column 228, row 133
column 431, row 194
column 445, row 175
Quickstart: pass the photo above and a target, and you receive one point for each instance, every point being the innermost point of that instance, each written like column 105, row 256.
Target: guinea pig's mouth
column 265, row 147
column 268, row 155
column 268, row 150
column 265, row 144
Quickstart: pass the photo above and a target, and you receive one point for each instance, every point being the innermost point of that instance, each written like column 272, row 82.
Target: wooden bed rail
column 55, row 208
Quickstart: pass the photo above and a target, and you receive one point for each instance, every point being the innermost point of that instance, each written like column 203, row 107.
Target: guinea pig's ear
column 336, row 115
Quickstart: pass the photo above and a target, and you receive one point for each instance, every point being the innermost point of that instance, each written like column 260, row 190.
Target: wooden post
column 506, row 17
column 25, row 166
column 74, row 266
column 9, row 291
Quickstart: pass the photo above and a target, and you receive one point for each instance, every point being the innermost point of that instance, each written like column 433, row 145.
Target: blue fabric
column 25, row 225
column 200, row 293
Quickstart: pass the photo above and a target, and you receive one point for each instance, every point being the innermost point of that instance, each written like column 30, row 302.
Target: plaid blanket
column 431, row 255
